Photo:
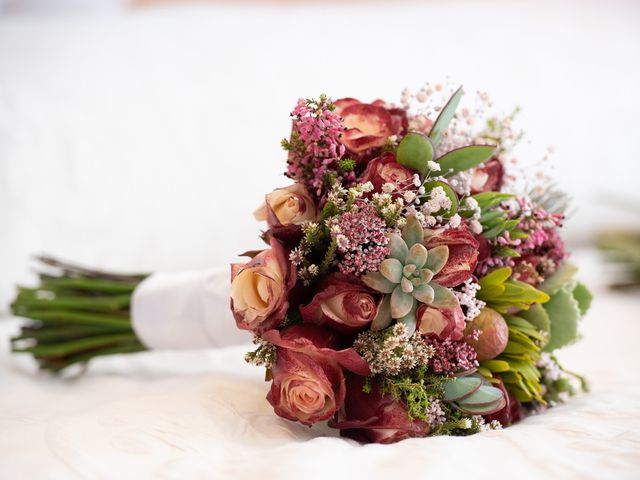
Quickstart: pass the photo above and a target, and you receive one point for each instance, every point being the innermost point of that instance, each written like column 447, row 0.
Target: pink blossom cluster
column 361, row 240
column 315, row 144
column 539, row 253
column 451, row 356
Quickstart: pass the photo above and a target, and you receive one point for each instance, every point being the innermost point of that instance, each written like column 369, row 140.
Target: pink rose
column 308, row 381
column 286, row 206
column 443, row 323
column 375, row 417
column 369, row 125
column 488, row 177
column 385, row 169
column 342, row 303
column 463, row 255
column 260, row 289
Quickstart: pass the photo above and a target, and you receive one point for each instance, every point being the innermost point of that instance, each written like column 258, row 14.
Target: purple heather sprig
column 450, row 356
column 314, row 147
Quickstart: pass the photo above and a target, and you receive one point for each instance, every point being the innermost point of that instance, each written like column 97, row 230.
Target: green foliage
column 415, row 151
column 473, row 395
column 495, row 219
column 445, row 117
column 346, row 165
column 503, row 294
column 415, row 390
column 570, row 301
column 464, row 158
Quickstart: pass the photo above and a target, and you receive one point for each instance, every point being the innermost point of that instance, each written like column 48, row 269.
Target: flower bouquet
column 413, row 284
column 406, row 290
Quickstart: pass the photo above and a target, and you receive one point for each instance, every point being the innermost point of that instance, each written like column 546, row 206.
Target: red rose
column 488, row 177
column 308, row 381
column 342, row 303
column 375, row 417
column 260, row 289
column 369, row 125
column 443, row 323
column 463, row 255
column 385, row 169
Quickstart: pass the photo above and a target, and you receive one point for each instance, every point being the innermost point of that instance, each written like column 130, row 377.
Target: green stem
column 75, row 346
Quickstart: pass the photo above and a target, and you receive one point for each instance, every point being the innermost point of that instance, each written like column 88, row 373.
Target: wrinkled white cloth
column 185, row 310
column 203, row 414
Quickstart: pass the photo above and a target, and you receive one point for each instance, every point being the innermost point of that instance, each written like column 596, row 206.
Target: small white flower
column 433, row 166
column 388, row 187
column 454, row 222
column 476, row 227
column 367, row 187
column 416, row 180
column 421, row 190
column 471, row 203
column 409, row 196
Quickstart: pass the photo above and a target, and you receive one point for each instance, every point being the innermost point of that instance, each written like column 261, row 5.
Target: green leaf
column 486, row 200
column 496, row 277
column 437, row 258
column 464, row 158
column 538, row 317
column 415, row 151
column 583, row 296
column 506, row 252
column 496, row 366
column 460, row 387
column 564, row 312
column 444, row 297
column 445, row 117
column 563, row 274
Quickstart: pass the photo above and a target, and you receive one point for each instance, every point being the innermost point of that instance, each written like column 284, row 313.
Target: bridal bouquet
column 414, row 283
column 406, row 289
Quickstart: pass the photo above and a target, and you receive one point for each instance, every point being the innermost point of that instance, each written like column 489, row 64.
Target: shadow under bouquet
column 405, row 290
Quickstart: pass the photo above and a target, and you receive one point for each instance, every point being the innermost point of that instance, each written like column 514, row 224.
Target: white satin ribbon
column 185, row 310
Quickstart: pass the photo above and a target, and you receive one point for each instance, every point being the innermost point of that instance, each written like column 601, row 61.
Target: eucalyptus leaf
column 464, row 158
column 445, row 117
column 415, row 151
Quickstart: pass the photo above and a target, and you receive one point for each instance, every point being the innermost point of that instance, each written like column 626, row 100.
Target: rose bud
column 342, row 303
column 385, row 169
column 290, row 205
column 308, row 381
column 375, row 417
column 260, row 289
column 443, row 323
column 493, row 334
column 369, row 125
column 463, row 255
column 488, row 177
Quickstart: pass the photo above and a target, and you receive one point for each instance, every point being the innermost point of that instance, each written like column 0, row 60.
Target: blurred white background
column 143, row 138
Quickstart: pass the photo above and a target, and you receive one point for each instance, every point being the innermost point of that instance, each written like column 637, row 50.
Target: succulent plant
column 473, row 395
column 406, row 277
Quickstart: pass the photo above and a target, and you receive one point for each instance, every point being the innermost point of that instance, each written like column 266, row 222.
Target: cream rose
column 260, row 288
column 290, row 205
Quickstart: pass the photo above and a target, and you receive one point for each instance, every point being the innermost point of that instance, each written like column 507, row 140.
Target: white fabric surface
column 185, row 310
column 203, row 414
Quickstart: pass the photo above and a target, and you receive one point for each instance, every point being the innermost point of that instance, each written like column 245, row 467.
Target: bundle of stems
column 74, row 315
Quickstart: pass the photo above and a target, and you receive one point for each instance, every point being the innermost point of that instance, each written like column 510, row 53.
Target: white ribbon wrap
column 185, row 310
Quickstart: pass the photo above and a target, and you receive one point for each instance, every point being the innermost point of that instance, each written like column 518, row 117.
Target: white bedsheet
column 203, row 415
